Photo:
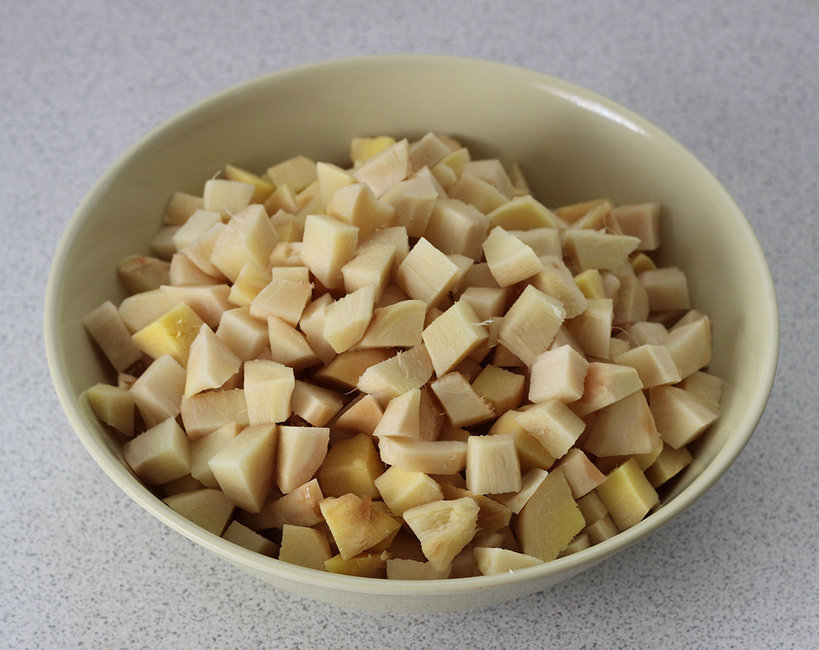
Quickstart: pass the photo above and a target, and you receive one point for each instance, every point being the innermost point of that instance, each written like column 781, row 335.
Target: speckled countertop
column 736, row 82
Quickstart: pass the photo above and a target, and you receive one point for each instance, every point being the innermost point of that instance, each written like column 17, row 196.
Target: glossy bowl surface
column 572, row 145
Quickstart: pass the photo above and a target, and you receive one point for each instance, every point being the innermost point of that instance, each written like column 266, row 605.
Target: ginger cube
column 160, row 454
column 456, row 227
column 493, row 172
column 261, row 188
column 705, row 386
column 450, row 168
column 555, row 280
column 346, row 369
column 312, row 324
column 331, row 178
column 314, row 404
column 288, row 346
column 363, row 414
column 492, row 561
column 667, row 289
column 640, row 220
column 530, row 450
column 402, row 490
column 398, row 325
column 427, row 456
column 510, row 260
column 412, row 201
column 690, row 346
column 444, row 528
column 579, row 472
column 395, row 236
column 363, row 148
column 396, row 374
column 463, row 405
column 209, row 302
column 592, row 507
column 162, row 244
column 557, row 374
column 486, row 302
column 295, row 273
column 523, row 213
column 297, row 173
column 451, row 337
column 426, row 273
column 680, row 416
column 668, row 464
column 623, row 428
column 646, row 332
column 347, row 318
column 386, row 168
column 328, row 244
column 549, row 520
column 355, row 524
column 281, row 298
column 249, row 283
column 631, row 302
column 604, row 384
column 286, row 253
column 590, row 282
column 180, row 207
column 300, row 452
column 184, row 271
column 206, row 412
column 590, row 249
column 553, row 424
column 601, row 530
column 245, row 537
column 158, row 391
column 427, row 151
column 501, row 388
column 492, row 465
column 194, row 227
column 351, row 466
column 409, row 569
column 477, row 192
column 299, row 507
column 225, row 196
column 113, row 405
column 627, row 494
column 356, row 204
column 592, row 328
column 245, row 335
column 365, row 565
column 530, row 481
column 210, row 362
column 247, row 237
column 374, row 265
column 544, row 241
column 289, row 228
column 205, row 507
column 401, row 416
column 268, row 388
column 141, row 273
column 108, row 330
column 653, row 364
column 244, row 467
column 307, row 547
column 204, row 448
column 530, row 324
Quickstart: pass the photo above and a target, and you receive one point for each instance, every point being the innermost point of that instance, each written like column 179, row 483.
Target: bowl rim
column 122, row 477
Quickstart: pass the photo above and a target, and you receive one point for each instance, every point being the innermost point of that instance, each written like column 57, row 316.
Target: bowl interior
column 571, row 144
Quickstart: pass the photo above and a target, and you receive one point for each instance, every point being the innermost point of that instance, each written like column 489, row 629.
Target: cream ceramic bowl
column 572, row 145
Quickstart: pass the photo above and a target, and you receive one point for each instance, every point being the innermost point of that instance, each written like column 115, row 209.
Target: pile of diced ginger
column 408, row 368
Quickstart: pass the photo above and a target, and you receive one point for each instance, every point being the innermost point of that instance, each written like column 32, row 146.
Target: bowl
column 572, row 145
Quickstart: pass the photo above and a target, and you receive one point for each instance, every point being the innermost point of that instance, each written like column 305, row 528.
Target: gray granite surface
column 737, row 82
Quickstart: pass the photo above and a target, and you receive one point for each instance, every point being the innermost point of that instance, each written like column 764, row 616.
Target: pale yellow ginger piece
column 268, row 388
column 653, row 364
column 478, row 275
column 374, row 265
column 365, row 565
column 530, row 481
column 501, row 388
column 282, row 298
column 328, row 245
column 362, row 414
column 523, row 213
column 520, row 185
column 592, row 328
column 558, row 374
column 249, row 283
column 641, row 262
column 312, row 324
column 351, row 466
column 289, row 346
column 604, row 384
column 530, row 324
column 611, row 284
column 641, row 220
column 427, row 456
column 510, row 260
column 346, row 369
column 492, row 561
column 261, row 188
column 493, row 172
column 706, row 386
column 386, row 168
column 555, row 280
column 244, row 467
column 181, row 206
column 286, row 253
column 299, row 507
column 549, row 520
column 580, row 542
column 590, row 283
column 574, row 211
column 210, row 362
column 448, row 170
column 243, row 536
column 492, row 464
column 592, row 507
column 690, row 346
column 618, row 346
column 398, row 325
column 226, row 197
column 680, row 416
column 356, row 525
column 315, row 404
column 356, row 204
column 300, row 452
column 412, row 201
column 477, row 192
column 159, row 454
column 194, row 227
column 601, row 530
column 347, row 318
column 645, row 333
column 580, row 473
column 444, row 528
column 143, row 273
column 590, row 249
column 113, row 406
column 295, row 273
column 109, row 331
column 668, row 464
column 455, row 226
column 408, row 569
column 531, row 451
column 162, row 243
column 598, row 218
column 204, row 448
column 158, row 391
column 182, row 484
column 331, row 178
column 395, row 236
column 463, row 405
column 402, row 490
column 281, row 199
column 486, row 302
column 401, row 417
column 553, row 424
column 209, row 302
column 205, row 412
column 366, row 147
column 451, row 337
column 309, row 200
column 667, row 289
column 245, row 335
column 631, row 302
column 297, row 173
column 426, row 273
column 607, row 463
column 544, row 241
column 289, row 228
column 307, row 547
column 627, row 495
column 184, row 271
column 247, row 237
column 205, row 507
column 427, row 151
column 396, row 374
